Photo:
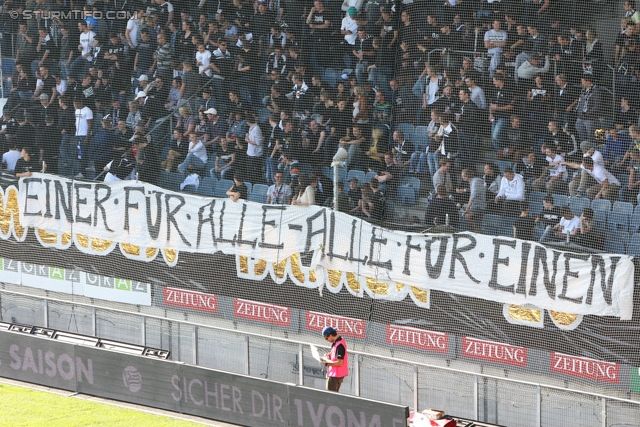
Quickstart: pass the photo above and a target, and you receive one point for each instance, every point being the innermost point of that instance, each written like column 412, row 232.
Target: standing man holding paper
column 336, row 360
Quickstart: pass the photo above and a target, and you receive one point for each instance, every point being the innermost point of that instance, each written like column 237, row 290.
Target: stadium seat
column 369, row 175
column 633, row 250
column 330, row 77
column 560, row 200
column 406, row 195
column 536, row 197
column 257, row 197
column 354, row 173
column 209, row 181
column 601, row 205
column 205, row 190
column 623, row 207
column 635, row 239
column 174, row 181
column 305, row 168
column 616, row 242
column 259, row 189
column 406, row 128
column 636, row 210
column 577, row 204
column 328, row 172
column 491, row 224
column 618, row 221
column 506, row 227
column 163, row 179
column 342, row 174
column 249, row 187
column 502, row 165
column 535, row 208
column 600, row 217
column 411, row 181
column 221, row 187
column 634, row 223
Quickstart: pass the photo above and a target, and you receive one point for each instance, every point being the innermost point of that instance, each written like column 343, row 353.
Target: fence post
column 94, row 322
column 45, row 309
column 143, row 330
column 247, row 367
column 476, row 415
column 300, row 366
column 415, row 388
column 356, row 371
column 538, row 406
column 194, row 345
column 604, row 412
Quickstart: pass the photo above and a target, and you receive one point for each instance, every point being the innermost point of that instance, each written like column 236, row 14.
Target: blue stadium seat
column 623, row 207
column 490, row 224
column 209, row 181
column 634, row 223
column 633, row 250
column 249, row 187
column 342, row 174
column 369, row 175
column 406, row 128
column 328, row 172
column 406, row 195
column 506, row 227
column 257, row 197
column 354, row 173
column 535, row 208
column 600, row 217
column 330, row 77
column 174, row 181
column 601, row 205
column 503, row 165
column 260, row 189
column 205, row 190
column 411, row 181
column 636, row 210
column 536, row 197
column 635, row 239
column 305, row 168
column 163, row 179
column 560, row 200
column 577, row 204
column 616, row 242
column 221, row 188
column 618, row 221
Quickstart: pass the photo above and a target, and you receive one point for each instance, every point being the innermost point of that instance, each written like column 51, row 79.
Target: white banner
column 492, row 268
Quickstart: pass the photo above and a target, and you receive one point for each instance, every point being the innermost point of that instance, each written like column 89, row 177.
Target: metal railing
column 542, row 401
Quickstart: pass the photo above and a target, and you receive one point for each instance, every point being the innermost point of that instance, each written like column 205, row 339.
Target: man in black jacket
column 441, row 210
column 467, row 117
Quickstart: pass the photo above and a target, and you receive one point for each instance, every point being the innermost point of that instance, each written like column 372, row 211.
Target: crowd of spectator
column 267, row 91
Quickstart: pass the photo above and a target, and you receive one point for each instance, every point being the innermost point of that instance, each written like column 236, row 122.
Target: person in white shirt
column 10, row 158
column 349, row 30
column 606, row 184
column 511, row 193
column 80, row 65
column 494, row 40
column 196, row 158
column 203, row 60
column 556, row 173
column 568, row 225
column 253, row 138
column 84, row 119
column 579, row 184
column 279, row 193
column 133, row 27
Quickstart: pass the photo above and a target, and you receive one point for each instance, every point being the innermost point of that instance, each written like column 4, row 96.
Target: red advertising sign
column 582, row 367
column 190, row 299
column 418, row 338
column 267, row 313
column 494, row 352
column 346, row 326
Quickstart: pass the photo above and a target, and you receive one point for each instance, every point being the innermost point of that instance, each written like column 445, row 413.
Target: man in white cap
column 214, row 130
column 143, row 81
column 337, row 360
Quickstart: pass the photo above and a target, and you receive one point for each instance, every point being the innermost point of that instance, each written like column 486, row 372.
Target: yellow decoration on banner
column 82, row 240
column 399, row 286
column 353, row 282
column 312, row 276
column 170, row 255
column 151, row 252
column 66, row 238
column 244, row 265
column 100, row 245
column 377, row 288
column 296, row 267
column 420, row 294
column 260, row 267
column 10, row 210
column 334, row 278
column 524, row 314
column 130, row 249
column 564, row 319
column 278, row 268
column 46, row 237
